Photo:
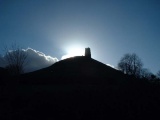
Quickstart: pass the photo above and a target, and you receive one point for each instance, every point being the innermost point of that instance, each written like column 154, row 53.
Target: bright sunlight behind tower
column 74, row 51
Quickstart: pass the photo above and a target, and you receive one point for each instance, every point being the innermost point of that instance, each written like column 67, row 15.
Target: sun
column 73, row 51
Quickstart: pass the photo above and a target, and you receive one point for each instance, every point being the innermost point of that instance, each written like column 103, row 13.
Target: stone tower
column 87, row 52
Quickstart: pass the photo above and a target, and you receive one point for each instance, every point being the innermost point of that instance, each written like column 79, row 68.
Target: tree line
column 131, row 64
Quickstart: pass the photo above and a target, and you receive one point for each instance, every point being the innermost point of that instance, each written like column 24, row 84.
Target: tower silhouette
column 87, row 52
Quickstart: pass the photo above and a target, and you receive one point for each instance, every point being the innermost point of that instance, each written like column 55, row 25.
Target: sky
column 111, row 28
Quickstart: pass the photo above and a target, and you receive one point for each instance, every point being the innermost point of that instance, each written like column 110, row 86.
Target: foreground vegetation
column 79, row 88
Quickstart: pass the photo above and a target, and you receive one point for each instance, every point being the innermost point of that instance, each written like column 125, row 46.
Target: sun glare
column 74, row 51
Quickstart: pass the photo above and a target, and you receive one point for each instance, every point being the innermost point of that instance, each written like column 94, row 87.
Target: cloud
column 38, row 60
column 35, row 60
column 111, row 66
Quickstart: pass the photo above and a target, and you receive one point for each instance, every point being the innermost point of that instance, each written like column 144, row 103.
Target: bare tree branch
column 16, row 59
column 130, row 64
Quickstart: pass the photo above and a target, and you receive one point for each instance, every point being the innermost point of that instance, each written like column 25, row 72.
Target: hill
column 3, row 74
column 79, row 88
column 78, row 69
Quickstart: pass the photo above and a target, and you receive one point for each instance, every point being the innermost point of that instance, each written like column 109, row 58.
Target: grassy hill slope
column 76, row 70
column 79, row 88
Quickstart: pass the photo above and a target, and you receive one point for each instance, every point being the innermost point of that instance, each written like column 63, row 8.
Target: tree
column 130, row 64
column 158, row 74
column 145, row 73
column 15, row 59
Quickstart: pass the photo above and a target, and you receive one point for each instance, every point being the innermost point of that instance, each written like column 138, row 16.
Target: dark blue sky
column 110, row 28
